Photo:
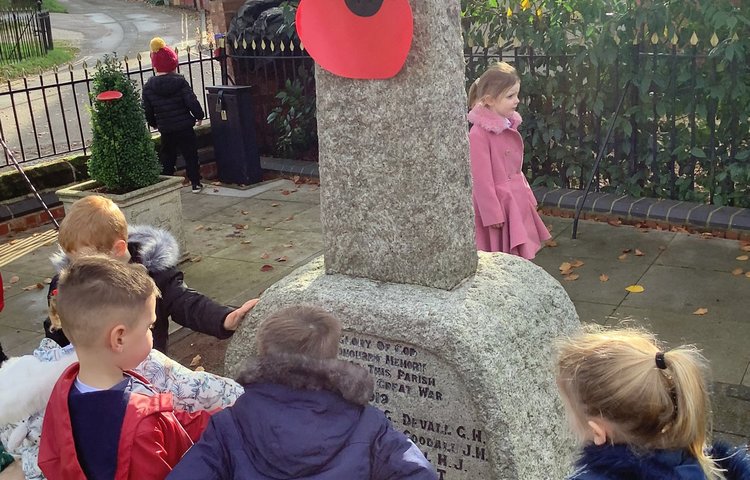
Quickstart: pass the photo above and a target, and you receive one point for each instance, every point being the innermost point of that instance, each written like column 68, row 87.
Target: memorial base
column 467, row 374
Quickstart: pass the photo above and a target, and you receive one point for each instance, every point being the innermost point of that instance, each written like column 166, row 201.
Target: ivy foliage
column 123, row 157
column 294, row 118
column 684, row 131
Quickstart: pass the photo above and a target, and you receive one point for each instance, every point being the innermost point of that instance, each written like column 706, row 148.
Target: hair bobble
column 660, row 363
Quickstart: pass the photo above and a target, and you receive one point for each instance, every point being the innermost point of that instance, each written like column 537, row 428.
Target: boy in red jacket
column 104, row 421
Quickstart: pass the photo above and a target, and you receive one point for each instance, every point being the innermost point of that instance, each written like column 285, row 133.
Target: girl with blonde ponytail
column 642, row 412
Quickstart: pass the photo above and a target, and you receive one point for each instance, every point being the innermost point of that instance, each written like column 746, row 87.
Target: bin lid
column 229, row 88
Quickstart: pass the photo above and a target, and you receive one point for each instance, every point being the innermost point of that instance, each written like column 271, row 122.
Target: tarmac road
column 96, row 27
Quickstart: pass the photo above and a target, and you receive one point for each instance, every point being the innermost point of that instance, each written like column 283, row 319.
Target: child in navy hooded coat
column 642, row 411
column 304, row 414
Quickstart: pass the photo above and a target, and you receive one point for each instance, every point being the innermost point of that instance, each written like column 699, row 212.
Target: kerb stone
column 394, row 163
column 467, row 374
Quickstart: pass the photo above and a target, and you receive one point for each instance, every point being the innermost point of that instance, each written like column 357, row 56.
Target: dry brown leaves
column 603, row 277
column 274, row 204
column 196, row 361
column 737, row 271
column 265, row 255
column 566, row 270
column 551, row 243
column 743, row 258
column 36, row 286
column 282, row 258
column 266, row 268
column 196, row 259
column 14, row 279
column 701, row 311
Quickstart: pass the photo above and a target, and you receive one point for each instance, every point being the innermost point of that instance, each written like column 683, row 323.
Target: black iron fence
column 46, row 115
column 24, row 33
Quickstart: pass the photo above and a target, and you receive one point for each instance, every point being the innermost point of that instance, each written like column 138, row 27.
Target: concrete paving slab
column 35, row 263
column 205, row 238
column 306, row 221
column 558, row 226
column 733, row 401
column 294, row 245
column 684, row 290
column 589, row 312
column 200, row 207
column 222, row 191
column 13, row 290
column 27, row 310
column 588, row 287
column 723, row 341
column 694, row 251
column 602, row 240
column 263, row 213
column 294, row 193
column 19, row 342
column 222, row 279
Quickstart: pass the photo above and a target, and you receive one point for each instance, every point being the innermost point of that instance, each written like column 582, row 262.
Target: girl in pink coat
column 505, row 217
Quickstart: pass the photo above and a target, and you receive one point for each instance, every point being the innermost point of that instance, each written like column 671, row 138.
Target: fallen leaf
column 47, row 281
column 285, row 192
column 566, row 272
column 289, row 245
column 199, row 227
column 36, row 286
column 638, row 253
column 551, row 243
column 200, row 369
column 745, row 248
column 196, row 361
column 603, row 278
column 14, row 279
column 742, row 258
column 289, row 219
column 196, row 259
column 635, row 289
column 296, row 179
column 701, row 311
column 623, row 256
column 707, row 235
column 216, row 190
column 747, row 274
column 264, row 255
column 208, row 229
column 240, row 226
column 282, row 258
column 268, row 229
column 615, row 223
column 576, row 263
column 737, row 271
column 244, row 212
column 215, row 183
column 565, row 266
column 266, row 268
column 274, row 204
column 627, row 250
column 246, row 242
column 572, row 277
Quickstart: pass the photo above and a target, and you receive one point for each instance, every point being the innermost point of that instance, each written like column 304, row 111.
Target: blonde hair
column 493, row 82
column 90, row 292
column 300, row 330
column 93, row 222
column 613, row 374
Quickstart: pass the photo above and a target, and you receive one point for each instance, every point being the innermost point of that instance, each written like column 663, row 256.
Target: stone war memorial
column 459, row 343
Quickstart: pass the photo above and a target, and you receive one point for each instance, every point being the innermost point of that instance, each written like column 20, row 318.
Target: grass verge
column 60, row 55
column 50, row 5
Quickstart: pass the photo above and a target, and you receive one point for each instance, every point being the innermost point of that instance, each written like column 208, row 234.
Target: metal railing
column 24, row 33
column 47, row 115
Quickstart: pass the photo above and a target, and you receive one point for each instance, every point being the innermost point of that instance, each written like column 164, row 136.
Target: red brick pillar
column 222, row 12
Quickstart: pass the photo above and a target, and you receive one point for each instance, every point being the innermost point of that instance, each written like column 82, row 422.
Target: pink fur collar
column 491, row 121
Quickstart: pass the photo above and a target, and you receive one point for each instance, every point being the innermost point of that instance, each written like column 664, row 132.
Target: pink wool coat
column 501, row 191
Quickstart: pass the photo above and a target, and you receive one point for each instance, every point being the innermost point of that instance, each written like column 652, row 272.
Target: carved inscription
column 423, row 397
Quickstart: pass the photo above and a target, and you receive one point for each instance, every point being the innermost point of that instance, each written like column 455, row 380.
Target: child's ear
column 119, row 249
column 117, row 338
column 598, row 432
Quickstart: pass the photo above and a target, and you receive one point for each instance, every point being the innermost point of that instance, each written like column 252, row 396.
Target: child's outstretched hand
column 498, row 225
column 232, row 321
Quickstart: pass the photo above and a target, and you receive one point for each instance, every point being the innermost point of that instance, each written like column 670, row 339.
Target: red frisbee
column 362, row 39
column 109, row 95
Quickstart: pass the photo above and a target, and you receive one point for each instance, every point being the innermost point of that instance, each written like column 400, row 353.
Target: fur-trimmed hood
column 350, row 381
column 491, row 121
column 620, row 462
column 154, row 248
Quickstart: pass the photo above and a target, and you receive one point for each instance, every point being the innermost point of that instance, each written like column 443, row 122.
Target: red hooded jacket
column 153, row 438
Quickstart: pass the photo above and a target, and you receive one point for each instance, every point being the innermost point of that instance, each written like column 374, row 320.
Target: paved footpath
column 233, row 234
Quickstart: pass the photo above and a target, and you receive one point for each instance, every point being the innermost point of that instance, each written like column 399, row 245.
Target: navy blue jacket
column 303, row 419
column 620, row 462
